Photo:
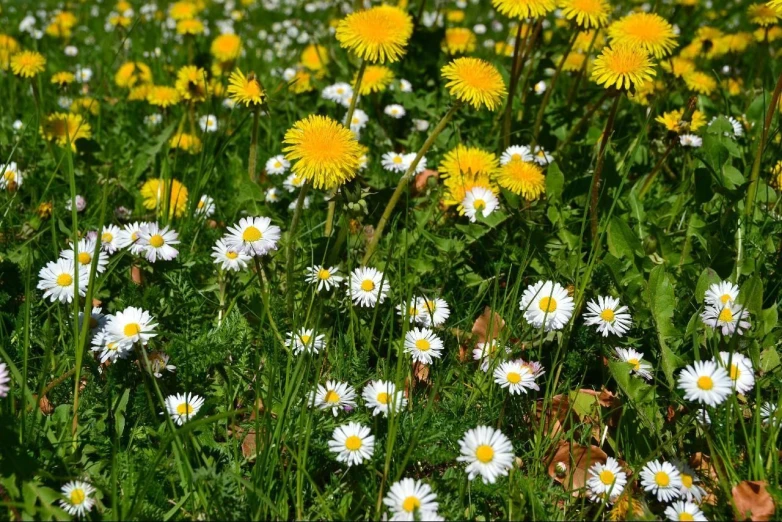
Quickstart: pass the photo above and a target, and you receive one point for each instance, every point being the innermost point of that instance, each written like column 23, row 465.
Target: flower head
column 324, row 278
column 705, row 382
column 382, row 396
column 28, row 64
column 65, row 129
column 475, row 81
column 245, row 89
column 586, row 13
column 607, row 479
column 648, row 30
column 608, row 316
column 157, row 243
column 367, row 286
column 684, row 511
column 739, row 369
column 306, row 340
column 522, row 9
column 546, row 304
column 77, row 498
column 661, row 479
column 635, row 359
column 729, row 319
column 131, row 325
column 153, row 191
column 423, row 345
column 5, row 378
column 183, row 406
column 229, row 258
column 515, row 377
column 335, row 396
column 226, row 47
column 255, row 236
column 353, row 443
column 479, row 200
column 523, row 178
column 58, row 280
column 163, row 96
column 378, row 35
column 191, row 83
column 376, row 78
column 623, row 66
column 487, row 452
column 408, row 497
column 458, row 40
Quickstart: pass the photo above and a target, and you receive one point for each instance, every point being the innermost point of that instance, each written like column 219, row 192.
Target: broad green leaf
column 555, row 181
column 622, row 241
column 751, row 295
column 662, row 303
column 769, row 359
column 707, row 278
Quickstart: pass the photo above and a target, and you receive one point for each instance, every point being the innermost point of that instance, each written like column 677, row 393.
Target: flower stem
column 514, row 78
column 599, row 167
column 650, row 178
column 252, row 160
column 400, row 187
column 550, row 90
column 265, row 299
column 291, row 248
column 753, row 180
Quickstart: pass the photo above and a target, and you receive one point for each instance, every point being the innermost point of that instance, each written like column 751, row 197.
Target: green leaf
column 769, row 359
column 622, row 241
column 662, row 303
column 707, row 278
column 768, row 318
column 732, row 177
column 555, row 181
column 751, row 295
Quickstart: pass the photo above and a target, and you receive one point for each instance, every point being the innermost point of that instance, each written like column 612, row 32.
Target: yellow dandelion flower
column 226, row 47
column 216, row 88
column 8, row 47
column 678, row 66
column 131, row 73
column 475, row 81
column 645, row 91
column 314, row 57
column 734, row 86
column 735, row 43
column 522, row 9
column 586, row 13
column 771, row 34
column 183, row 10
column 456, row 187
column 708, row 41
column 700, row 82
column 503, row 49
column 467, row 160
column 120, row 21
column 523, row 178
column 140, row 92
column 192, row 26
column 189, row 143
column 648, row 30
column 191, row 83
column 378, row 35
column 63, row 128
column 153, row 193
column 376, row 79
column 301, row 82
column 764, row 15
column 163, row 96
column 573, row 62
column 245, row 89
column 62, row 25
column 322, row 151
column 86, row 105
column 63, row 78
column 584, row 39
column 624, row 67
column 458, row 40
column 27, row 64
column 672, row 121
column 776, row 175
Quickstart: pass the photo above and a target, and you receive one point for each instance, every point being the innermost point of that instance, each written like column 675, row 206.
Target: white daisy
column 96, row 321
column 768, row 414
column 5, row 378
column 517, row 378
column 661, row 479
column 131, row 325
column 57, row 280
column 86, row 251
column 272, row 195
column 408, row 160
column 405, row 86
column 412, row 310
column 409, row 496
column 208, row 123
column 534, row 367
column 380, row 395
column 606, row 480
column 729, row 319
column 158, row 361
column 702, row 417
column 740, row 370
column 690, row 140
column 639, row 367
column 684, row 511
column 83, row 74
column 423, row 345
column 721, row 294
column 129, row 235
column 253, row 236
column 541, row 157
column 420, row 125
column 109, row 350
column 229, row 258
column 395, row 110
column 367, row 287
column 486, row 353
column 340, row 92
column 352, row 443
column 306, row 340
column 705, row 382
column 324, row 278
column 539, row 87
column 277, row 165
column 479, row 200
column 393, row 162
column 487, row 452
column 690, row 490
column 77, row 499
column 293, row 182
column 110, row 239
column 157, row 243
column 516, row 153
column 205, row 206
column 546, row 304
column 183, row 406
column 736, row 129
column 608, row 316
column 358, row 121
column 10, row 176
column 335, row 395
column 434, row 312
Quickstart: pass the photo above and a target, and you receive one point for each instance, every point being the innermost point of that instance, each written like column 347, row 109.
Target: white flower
column 277, row 165
column 768, row 414
column 10, row 176
column 83, row 74
column 306, row 340
column 434, row 312
column 367, row 287
column 420, row 125
column 96, row 321
column 129, row 236
column 405, row 86
column 110, row 239
column 539, row 87
column 684, row 511
column 71, row 50
column 393, row 162
column 58, row 279
column 109, row 350
column 324, row 278
column 721, row 294
column 409, row 496
column 410, row 157
column 517, row 378
column 705, row 382
column 541, row 157
column 380, row 395
column 205, row 206
column 335, row 395
column 395, row 110
column 702, row 417
column 740, row 370
column 229, row 258
column 208, row 123
column 293, row 182
column 608, row 316
column 516, row 153
column 729, row 319
column 358, row 121
column 254, row 236
column 339, row 92
column 606, row 480
column 352, row 443
column 479, row 200
column 5, row 378
column 661, row 479
column 183, row 406
column 131, row 325
column 157, row 242
column 486, row 352
column 690, row 490
column 158, row 361
column 546, row 304
column 640, row 367
column 77, row 499
column 86, row 250
column 272, row 195
column 736, row 129
column 487, row 452
column 152, row 120
column 423, row 345
column 690, row 140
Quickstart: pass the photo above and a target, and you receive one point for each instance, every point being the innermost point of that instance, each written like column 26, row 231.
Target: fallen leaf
column 420, row 182
column 753, row 501
column 556, row 415
column 249, row 449
column 45, row 406
column 571, row 463
column 488, row 326
column 421, row 372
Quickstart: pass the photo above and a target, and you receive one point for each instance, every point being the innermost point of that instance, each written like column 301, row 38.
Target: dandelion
column 546, row 304
column 77, row 498
column 522, row 9
column 163, row 96
column 639, row 367
column 377, row 35
column 335, row 396
column 487, row 452
column 515, row 377
column 458, row 40
column 226, row 47
column 58, row 280
column 382, row 396
column 255, row 236
column 586, row 13
column 376, row 78
column 130, row 74
column 86, row 249
column 324, row 278
column 423, row 345
column 353, row 443
column 740, row 370
column 764, row 14
column 183, row 406
column 28, row 64
column 516, row 153
column 606, row 480
column 721, row 294
column 367, row 287
column 705, row 382
column 481, row 201
column 131, row 325
column 277, row 165
column 729, row 319
column 5, row 378
column 245, row 89
column 662, row 479
column 608, row 316
column 684, row 511
column 189, row 143
column 407, row 497
column 475, row 81
column 647, row 30
column 157, row 243
column 65, row 129
column 700, row 82
column 623, row 66
column 229, row 258
column 522, row 178
column 305, row 340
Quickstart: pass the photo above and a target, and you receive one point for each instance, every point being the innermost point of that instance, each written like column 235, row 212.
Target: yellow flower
column 700, row 82
column 708, row 41
column 63, row 78
column 27, row 64
column 245, row 89
column 216, row 88
column 454, row 16
column 226, row 47
column 456, row 187
column 163, row 96
column 458, row 40
column 131, row 73
column 734, row 86
column 573, row 62
column 523, row 178
column 587, row 13
column 678, row 66
column 191, row 83
column 672, row 121
column 645, row 91
column 8, row 47
column 153, row 191
column 301, row 82
column 86, row 105
column 120, row 21
column 624, row 67
column 376, row 79
column 776, row 175
column 771, row 34
column 314, row 57
column 522, row 9
column 140, row 92
column 475, row 81
column 764, row 14
column 186, row 142
column 191, row 26
column 64, row 128
column 648, row 30
column 468, row 160
column 324, row 151
column 378, row 35
column 183, row 10
column 62, row 25
column 584, row 40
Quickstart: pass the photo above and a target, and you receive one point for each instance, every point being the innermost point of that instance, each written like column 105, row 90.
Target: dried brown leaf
column 488, row 326
column 753, row 501
column 577, row 460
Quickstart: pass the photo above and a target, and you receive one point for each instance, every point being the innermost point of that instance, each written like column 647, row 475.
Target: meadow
column 415, row 260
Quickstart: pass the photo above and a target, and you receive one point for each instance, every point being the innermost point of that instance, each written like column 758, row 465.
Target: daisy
column 517, row 153
column 420, row 125
column 479, row 200
column 358, row 121
column 108, row 350
column 183, row 406
column 208, row 123
column 10, row 176
column 86, row 250
column 690, row 140
column 352, row 443
column 690, row 490
column 546, row 304
column 77, row 499
column 395, row 110
column 131, row 325
column 157, row 242
column 705, row 382
column 253, row 236
column 129, row 235
column 205, row 206
column 158, row 361
column 324, row 278
column 606, row 480
column 335, row 395
column 229, row 258
column 768, row 413
column 305, row 340
column 541, row 156
column 740, row 370
column 380, row 395
column 486, row 352
column 393, row 162
column 639, row 367
column 5, row 378
column 515, row 377
column 423, row 345
column 721, row 294
column 434, row 312
column 339, row 93
column 367, row 287
column 540, row 87
column 277, row 165
column 96, row 321
column 662, row 479
column 412, row 310
column 409, row 496
column 272, row 195
column 410, row 157
column 110, row 239
column 487, row 452
column 57, row 280
column 684, row 511
column 293, row 182
column 608, row 316
column 727, row 318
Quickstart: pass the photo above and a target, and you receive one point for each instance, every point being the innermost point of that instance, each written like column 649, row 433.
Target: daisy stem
column 595, row 191
column 653, row 174
column 404, row 180
column 550, row 90
column 291, row 247
column 252, row 160
column 265, row 298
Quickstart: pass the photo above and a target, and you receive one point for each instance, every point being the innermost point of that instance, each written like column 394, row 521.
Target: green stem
column 253, row 159
column 753, row 180
column 653, row 174
column 514, row 78
column 599, row 167
column 550, row 90
column 291, row 248
column 356, row 87
column 265, row 299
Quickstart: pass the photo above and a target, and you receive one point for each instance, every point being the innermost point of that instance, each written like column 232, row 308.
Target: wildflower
column 690, row 140
column 86, row 251
column 394, row 110
column 277, row 165
column 367, row 287
column 539, row 88
column 736, row 129
column 623, row 66
column 586, row 13
column 130, row 74
column 768, row 414
column 339, row 92
column 189, row 143
column 156, row 242
column 684, row 511
column 83, row 74
column 96, row 322
column 110, row 239
column 226, row 47
column 190, row 27
column 705, row 382
column 208, row 123
column 434, row 312
column 546, row 304
column 293, row 182
column 515, row 377
column 376, row 78
column 254, row 236
column 516, row 153
column 464, row 161
column 458, row 40
column 690, row 490
column 65, row 128
column 377, row 35
column 730, row 318
column 486, row 352
column 661, row 479
column 205, row 206
column 740, row 370
column 764, row 14
column 522, row 9
column 479, row 200
column 381, row 396
column 700, row 82
column 131, row 325
column 129, row 237
column 673, row 121
column 314, row 57
column 335, row 395
column 608, row 316
column 423, row 345
column 27, row 64
column 306, row 340
column 163, row 96
column 324, row 278
column 407, row 497
column 77, row 498
column 245, row 89
column 158, row 361
column 606, row 480
column 475, row 81
column 229, row 258
column 640, row 367
column 647, row 30
column 63, row 78
column 109, row 350
column 487, row 452
column 58, row 279
column 183, row 406
column 11, row 177
column 522, row 178
column 352, row 443
column 5, row 378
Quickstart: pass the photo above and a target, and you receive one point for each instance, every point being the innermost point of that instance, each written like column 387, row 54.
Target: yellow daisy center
column 705, row 383
column 9, row 175
column 686, row 480
column 231, row 254
column 636, row 363
column 397, row 159
column 252, row 234
column 367, row 285
column 64, row 280
column 662, row 479
column 77, row 496
column 277, row 164
column 107, row 237
column 84, row 258
column 484, row 453
column 479, row 205
column 423, row 345
column 607, row 315
column 131, row 329
column 513, row 377
column 184, row 409
column 516, row 157
column 353, row 443
column 331, row 396
column 684, row 516
column 323, row 274
column 548, row 304
column 382, row 398
column 726, row 315
column 411, row 503
column 156, row 241
column 735, row 372
column 607, row 477
column 305, row 339
column 724, row 298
